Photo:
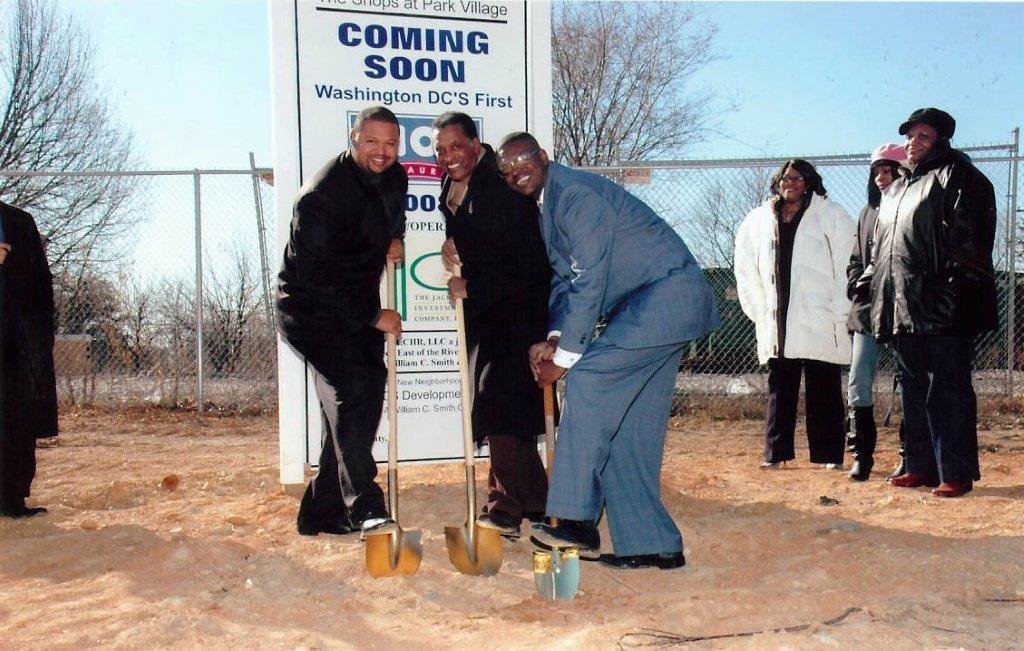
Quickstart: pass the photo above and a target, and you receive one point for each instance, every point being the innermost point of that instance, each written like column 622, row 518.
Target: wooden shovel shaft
column 549, row 431
column 549, row 425
column 392, row 403
column 467, row 407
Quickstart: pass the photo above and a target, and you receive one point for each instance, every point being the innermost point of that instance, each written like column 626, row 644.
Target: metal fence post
column 261, row 233
column 200, row 392
column 1011, row 319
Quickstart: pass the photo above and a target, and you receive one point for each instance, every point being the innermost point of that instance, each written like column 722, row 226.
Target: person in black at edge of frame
column 28, row 388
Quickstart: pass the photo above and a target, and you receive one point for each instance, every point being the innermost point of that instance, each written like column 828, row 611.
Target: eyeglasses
column 792, row 179
column 509, row 165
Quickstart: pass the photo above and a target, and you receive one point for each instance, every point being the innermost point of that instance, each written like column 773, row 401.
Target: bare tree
column 134, row 321
column 54, row 118
column 711, row 233
column 82, row 302
column 232, row 310
column 621, row 73
column 175, row 307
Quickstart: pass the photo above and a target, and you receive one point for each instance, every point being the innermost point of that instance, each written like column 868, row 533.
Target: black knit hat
column 942, row 122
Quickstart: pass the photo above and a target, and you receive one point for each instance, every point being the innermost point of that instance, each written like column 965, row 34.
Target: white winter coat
column 818, row 307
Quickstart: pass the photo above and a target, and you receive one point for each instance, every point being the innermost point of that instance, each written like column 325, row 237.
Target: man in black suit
column 494, row 234
column 28, row 390
column 348, row 219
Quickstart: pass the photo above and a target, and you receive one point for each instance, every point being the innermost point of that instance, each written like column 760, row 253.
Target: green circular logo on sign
column 415, row 277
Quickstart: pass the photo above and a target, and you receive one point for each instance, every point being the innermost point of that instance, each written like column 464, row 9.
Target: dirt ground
column 123, row 562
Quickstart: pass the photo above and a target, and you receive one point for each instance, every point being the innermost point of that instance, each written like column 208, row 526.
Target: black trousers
column 940, row 408
column 825, row 410
column 349, row 383
column 17, row 469
column 517, row 484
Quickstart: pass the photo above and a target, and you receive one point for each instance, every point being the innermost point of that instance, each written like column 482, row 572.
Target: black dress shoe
column 338, row 527
column 581, row 534
column 22, row 511
column 668, row 561
column 535, row 516
column 861, row 469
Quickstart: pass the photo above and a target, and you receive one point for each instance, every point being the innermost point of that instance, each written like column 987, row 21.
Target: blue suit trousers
column 611, row 443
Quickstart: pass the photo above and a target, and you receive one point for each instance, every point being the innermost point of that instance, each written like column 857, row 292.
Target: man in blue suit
column 613, row 257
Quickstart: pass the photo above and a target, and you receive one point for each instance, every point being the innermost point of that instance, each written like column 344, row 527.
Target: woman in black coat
column 28, row 389
column 507, row 278
column 933, row 291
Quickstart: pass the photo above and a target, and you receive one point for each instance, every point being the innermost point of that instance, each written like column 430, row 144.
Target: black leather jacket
column 931, row 270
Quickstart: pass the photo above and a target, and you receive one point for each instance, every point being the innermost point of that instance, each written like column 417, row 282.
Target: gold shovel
column 397, row 552
column 556, row 572
column 473, row 549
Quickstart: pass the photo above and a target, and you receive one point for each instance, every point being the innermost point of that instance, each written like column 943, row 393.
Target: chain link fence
column 182, row 317
column 705, row 201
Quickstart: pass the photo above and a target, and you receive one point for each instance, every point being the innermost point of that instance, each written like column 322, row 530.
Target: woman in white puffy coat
column 791, row 257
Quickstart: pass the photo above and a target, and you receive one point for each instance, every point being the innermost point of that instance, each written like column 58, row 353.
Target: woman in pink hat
column 886, row 162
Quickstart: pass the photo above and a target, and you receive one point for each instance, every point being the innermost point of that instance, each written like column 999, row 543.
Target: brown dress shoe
column 910, row 480
column 952, row 489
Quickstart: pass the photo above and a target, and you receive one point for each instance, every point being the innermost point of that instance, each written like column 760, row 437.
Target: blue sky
column 840, row 77
column 191, row 78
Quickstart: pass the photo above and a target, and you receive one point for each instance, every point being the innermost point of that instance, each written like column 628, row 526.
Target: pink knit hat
column 889, row 151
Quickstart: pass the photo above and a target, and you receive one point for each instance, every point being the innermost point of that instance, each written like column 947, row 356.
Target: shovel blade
column 393, row 554
column 483, row 559
column 557, row 573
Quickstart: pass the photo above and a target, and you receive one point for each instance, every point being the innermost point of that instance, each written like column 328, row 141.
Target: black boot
column 901, row 469
column 16, row 509
column 864, row 443
column 851, row 430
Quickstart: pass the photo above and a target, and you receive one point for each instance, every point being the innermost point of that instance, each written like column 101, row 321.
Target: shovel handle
column 549, row 426
column 549, row 437
column 467, row 406
column 467, row 403
column 392, row 401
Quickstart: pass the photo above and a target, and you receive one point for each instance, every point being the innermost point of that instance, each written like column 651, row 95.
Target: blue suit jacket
column 613, row 256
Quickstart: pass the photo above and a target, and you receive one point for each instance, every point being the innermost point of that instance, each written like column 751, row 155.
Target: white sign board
column 420, row 58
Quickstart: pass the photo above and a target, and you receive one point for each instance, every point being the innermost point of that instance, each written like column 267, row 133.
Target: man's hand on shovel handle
column 457, row 289
column 545, row 350
column 390, row 322
column 548, row 373
column 396, row 251
column 450, row 255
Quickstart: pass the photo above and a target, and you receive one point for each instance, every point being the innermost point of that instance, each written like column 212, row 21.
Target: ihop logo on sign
column 416, row 147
